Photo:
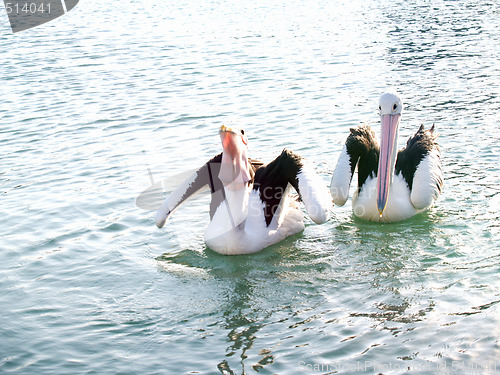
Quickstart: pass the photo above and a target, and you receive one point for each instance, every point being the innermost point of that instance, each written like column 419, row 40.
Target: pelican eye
column 395, row 106
column 242, row 132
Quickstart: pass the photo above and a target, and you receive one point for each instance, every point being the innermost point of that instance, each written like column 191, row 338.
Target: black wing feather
column 416, row 149
column 363, row 150
column 272, row 179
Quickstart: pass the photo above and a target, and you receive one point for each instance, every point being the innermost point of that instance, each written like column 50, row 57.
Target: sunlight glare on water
column 102, row 102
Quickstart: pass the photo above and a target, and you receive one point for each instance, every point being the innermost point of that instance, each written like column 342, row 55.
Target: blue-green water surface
column 100, row 102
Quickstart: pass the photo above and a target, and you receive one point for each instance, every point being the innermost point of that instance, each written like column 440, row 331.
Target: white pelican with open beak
column 250, row 206
column 392, row 185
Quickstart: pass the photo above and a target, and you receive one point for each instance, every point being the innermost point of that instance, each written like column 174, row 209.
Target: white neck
column 236, row 203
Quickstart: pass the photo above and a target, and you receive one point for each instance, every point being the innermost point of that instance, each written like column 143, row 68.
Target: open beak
column 389, row 127
column 235, row 169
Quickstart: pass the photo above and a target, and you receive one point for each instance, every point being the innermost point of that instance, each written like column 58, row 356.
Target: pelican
column 392, row 185
column 251, row 207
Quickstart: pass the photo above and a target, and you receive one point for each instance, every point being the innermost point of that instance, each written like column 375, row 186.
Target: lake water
column 113, row 95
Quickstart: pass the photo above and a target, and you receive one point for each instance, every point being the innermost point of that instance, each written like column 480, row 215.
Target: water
column 96, row 99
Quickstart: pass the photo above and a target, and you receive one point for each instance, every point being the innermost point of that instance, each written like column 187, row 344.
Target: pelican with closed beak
column 392, row 185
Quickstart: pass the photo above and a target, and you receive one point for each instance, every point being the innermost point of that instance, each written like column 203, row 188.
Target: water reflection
column 374, row 263
column 243, row 322
column 387, row 259
column 244, row 307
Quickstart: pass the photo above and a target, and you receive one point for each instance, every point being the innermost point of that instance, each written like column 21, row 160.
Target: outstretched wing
column 199, row 180
column 154, row 195
column 272, row 179
column 361, row 148
column 206, row 175
column 420, row 165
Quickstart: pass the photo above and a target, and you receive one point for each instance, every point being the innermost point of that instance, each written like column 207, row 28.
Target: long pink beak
column 390, row 125
column 235, row 168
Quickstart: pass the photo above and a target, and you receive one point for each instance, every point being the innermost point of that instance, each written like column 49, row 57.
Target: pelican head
column 390, row 108
column 235, row 167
